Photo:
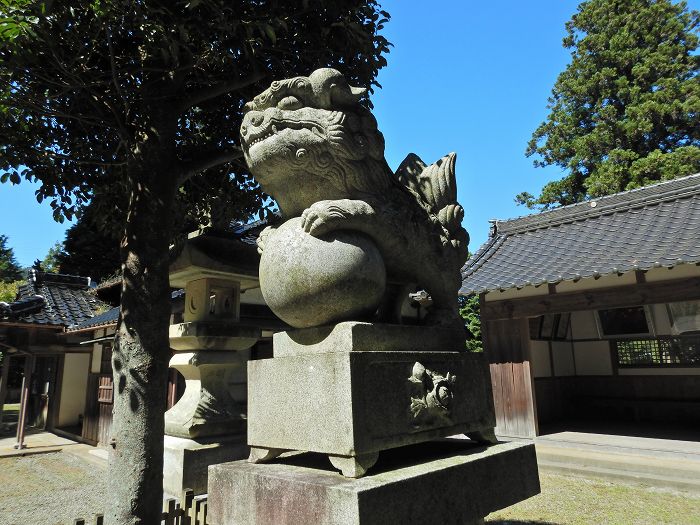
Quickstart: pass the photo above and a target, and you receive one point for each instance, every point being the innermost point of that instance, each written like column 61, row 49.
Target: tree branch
column 217, row 90
column 206, row 161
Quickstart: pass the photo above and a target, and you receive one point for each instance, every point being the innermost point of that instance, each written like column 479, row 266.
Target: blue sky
column 464, row 76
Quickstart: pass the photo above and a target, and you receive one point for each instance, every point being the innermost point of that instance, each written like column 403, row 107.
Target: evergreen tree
column 50, row 262
column 626, row 111
column 469, row 309
column 10, row 270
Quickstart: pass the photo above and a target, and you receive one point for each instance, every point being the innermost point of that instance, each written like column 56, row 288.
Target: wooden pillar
column 24, row 400
column 4, row 376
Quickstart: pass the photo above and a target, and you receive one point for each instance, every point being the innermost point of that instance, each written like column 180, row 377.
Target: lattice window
column 682, row 351
column 550, row 327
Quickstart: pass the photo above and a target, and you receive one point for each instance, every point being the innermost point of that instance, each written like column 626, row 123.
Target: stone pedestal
column 348, row 397
column 214, row 402
column 439, row 483
column 186, row 461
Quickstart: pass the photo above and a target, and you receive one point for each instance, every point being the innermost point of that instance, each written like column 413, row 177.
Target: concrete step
column 678, row 473
column 624, row 476
column 657, row 448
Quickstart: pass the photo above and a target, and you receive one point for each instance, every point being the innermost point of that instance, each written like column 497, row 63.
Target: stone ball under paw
column 312, row 281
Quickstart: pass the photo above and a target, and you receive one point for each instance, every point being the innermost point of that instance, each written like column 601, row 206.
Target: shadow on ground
column 518, row 522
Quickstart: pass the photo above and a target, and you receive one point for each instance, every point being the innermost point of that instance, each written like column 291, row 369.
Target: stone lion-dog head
column 313, row 132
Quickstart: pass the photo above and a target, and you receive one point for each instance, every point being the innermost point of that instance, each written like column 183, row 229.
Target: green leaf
column 270, row 32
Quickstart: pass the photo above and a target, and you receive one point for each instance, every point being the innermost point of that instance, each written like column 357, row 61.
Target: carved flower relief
column 431, row 396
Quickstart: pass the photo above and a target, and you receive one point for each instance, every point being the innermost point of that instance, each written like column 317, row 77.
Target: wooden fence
column 190, row 510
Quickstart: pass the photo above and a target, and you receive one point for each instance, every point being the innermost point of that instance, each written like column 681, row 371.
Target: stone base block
column 202, row 335
column 357, row 404
column 186, row 461
column 440, row 483
column 367, row 337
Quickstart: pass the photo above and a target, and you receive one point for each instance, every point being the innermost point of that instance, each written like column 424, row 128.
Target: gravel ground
column 50, row 489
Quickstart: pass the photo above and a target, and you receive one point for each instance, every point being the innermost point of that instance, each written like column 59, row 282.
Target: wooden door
column 506, row 346
column 97, row 422
column 105, row 399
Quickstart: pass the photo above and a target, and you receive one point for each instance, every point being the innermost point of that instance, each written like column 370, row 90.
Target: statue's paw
column 262, row 238
column 323, row 217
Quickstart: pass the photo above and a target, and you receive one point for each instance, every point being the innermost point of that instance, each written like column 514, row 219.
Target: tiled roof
column 111, row 316
column 655, row 226
column 52, row 299
column 248, row 233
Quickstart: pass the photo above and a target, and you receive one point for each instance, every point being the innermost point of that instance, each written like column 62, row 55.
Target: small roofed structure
column 593, row 310
column 33, row 334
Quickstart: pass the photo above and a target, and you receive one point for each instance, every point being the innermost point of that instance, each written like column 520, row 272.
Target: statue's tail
column 436, row 186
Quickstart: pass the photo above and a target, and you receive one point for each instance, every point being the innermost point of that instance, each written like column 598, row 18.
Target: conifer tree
column 626, row 111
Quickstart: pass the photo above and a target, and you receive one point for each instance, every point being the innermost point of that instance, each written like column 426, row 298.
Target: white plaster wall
column 658, row 371
column 659, row 315
column 583, row 325
column 74, row 386
column 539, row 359
column 593, row 358
column 97, row 352
column 562, row 358
column 96, row 358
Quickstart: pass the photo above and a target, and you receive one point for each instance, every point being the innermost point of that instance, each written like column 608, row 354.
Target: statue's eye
column 290, row 103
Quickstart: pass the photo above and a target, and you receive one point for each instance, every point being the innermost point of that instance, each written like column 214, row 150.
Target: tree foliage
column 9, row 268
column 469, row 310
column 90, row 248
column 8, row 291
column 93, row 72
column 50, row 262
column 135, row 107
column 626, row 110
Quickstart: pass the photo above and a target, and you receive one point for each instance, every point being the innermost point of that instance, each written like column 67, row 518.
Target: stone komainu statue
column 314, row 148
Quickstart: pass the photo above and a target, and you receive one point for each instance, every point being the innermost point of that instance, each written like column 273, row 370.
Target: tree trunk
column 141, row 354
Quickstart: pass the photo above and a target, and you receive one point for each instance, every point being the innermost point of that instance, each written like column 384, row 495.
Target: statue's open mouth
column 260, row 138
column 276, row 127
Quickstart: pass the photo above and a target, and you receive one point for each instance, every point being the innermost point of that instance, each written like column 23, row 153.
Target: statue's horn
column 346, row 95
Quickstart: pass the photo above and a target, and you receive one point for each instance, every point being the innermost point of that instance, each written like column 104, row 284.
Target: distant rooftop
column 651, row 227
column 52, row 299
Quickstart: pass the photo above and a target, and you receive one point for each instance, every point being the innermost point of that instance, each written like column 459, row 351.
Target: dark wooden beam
column 635, row 294
column 4, row 375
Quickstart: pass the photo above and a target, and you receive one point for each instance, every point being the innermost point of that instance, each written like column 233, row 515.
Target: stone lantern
column 211, row 349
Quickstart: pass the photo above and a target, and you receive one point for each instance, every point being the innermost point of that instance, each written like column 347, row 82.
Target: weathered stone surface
column 312, row 146
column 312, row 281
column 200, row 335
column 440, row 483
column 214, row 402
column 367, row 337
column 357, row 403
column 185, row 461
